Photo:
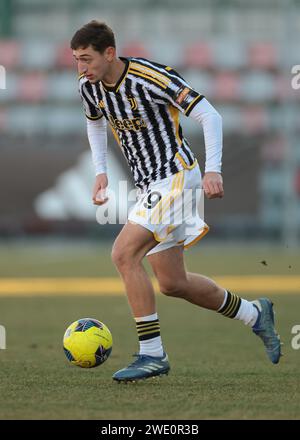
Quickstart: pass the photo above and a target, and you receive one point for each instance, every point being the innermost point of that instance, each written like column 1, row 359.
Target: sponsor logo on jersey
column 134, row 124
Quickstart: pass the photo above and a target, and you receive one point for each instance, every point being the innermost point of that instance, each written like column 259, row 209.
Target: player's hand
column 99, row 190
column 213, row 185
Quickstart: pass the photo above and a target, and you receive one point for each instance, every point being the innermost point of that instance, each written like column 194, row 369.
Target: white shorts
column 170, row 210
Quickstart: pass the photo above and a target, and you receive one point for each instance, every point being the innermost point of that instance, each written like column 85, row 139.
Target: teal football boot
column 264, row 328
column 143, row 367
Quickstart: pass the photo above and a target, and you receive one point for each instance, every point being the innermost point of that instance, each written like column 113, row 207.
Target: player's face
column 93, row 64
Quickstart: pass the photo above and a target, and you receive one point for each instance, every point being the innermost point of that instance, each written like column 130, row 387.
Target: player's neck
column 115, row 72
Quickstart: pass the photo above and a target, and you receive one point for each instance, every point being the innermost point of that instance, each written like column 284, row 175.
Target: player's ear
column 110, row 53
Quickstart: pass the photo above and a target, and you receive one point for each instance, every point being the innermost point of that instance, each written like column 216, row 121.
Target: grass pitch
column 218, row 367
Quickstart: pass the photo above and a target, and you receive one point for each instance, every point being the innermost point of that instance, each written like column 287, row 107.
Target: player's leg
column 168, row 267
column 129, row 249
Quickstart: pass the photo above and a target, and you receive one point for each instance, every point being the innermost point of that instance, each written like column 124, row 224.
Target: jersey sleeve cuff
column 214, row 170
column 193, row 103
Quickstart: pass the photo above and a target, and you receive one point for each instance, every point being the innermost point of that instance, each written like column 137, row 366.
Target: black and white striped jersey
column 143, row 112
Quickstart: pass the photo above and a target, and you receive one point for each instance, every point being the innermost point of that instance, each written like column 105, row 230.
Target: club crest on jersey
column 133, row 103
column 101, row 104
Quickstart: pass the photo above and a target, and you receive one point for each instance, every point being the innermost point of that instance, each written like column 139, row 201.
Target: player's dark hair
column 95, row 34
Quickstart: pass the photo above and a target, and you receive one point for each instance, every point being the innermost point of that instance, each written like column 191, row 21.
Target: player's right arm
column 97, row 136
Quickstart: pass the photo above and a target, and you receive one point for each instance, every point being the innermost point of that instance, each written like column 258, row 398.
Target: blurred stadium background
column 239, row 54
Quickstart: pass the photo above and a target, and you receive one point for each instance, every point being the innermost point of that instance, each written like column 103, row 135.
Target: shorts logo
column 152, row 200
column 133, row 102
column 141, row 213
column 182, row 95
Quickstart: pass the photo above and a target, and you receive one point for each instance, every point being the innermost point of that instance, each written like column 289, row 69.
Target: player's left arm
column 211, row 121
column 188, row 101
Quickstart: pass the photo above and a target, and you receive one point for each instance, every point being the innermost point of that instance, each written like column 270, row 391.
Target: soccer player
column 141, row 101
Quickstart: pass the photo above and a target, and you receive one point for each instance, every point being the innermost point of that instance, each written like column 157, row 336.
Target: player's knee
column 118, row 257
column 172, row 287
column 122, row 258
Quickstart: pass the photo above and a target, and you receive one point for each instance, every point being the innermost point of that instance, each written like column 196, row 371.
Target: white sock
column 247, row 313
column 238, row 308
column 148, row 327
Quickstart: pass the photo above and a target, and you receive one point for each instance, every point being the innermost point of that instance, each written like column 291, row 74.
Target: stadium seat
column 254, row 119
column 64, row 56
column 134, row 49
column 232, row 118
column 9, row 53
column 283, row 89
column 166, row 52
column 270, row 182
column 258, row 86
column 274, row 149
column 263, row 55
column 32, row 87
column 26, row 120
column 201, row 81
column 198, row 55
column 65, row 120
column 229, row 54
column 63, row 86
column 226, row 86
column 37, row 54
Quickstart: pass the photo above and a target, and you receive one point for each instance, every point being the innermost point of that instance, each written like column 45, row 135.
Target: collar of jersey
column 116, row 87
